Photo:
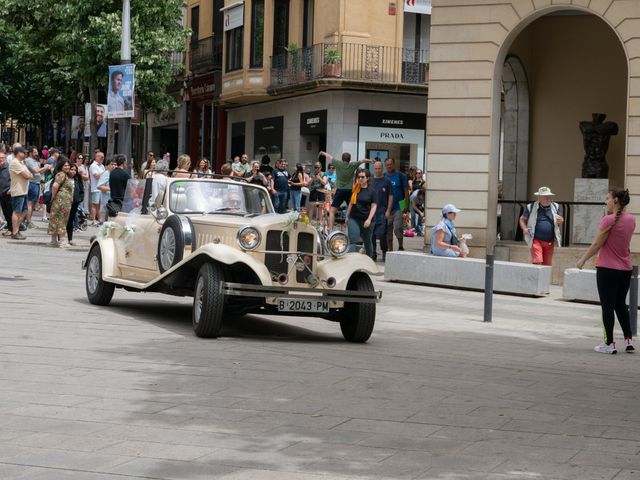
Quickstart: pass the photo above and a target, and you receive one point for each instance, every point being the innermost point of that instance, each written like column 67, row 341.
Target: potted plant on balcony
column 295, row 59
column 332, row 66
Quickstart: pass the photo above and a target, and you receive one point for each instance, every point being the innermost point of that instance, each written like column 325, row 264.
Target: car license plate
column 295, row 305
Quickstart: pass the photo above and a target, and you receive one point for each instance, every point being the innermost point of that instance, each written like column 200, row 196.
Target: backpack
column 46, row 192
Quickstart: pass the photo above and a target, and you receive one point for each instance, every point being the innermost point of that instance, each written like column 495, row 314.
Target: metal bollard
column 488, row 288
column 633, row 301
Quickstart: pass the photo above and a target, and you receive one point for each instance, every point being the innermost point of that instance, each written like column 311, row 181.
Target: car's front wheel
column 208, row 301
column 99, row 292
column 357, row 319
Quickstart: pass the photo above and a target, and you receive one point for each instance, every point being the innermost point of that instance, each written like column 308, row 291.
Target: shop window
column 234, row 49
column 257, row 33
column 237, row 138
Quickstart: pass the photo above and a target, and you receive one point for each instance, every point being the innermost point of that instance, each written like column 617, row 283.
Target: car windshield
column 204, row 196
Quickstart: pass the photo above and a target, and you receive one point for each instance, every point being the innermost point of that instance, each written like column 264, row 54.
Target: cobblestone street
column 128, row 391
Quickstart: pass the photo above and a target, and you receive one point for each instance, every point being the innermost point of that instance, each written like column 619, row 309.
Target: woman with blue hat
column 444, row 238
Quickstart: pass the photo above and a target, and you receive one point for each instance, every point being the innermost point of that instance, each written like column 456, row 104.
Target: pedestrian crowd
column 65, row 189
column 74, row 191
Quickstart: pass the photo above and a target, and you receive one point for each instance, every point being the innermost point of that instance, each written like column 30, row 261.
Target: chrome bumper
column 248, row 290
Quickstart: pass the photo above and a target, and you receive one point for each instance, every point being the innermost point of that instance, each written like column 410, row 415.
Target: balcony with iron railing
column 177, row 62
column 205, row 54
column 373, row 64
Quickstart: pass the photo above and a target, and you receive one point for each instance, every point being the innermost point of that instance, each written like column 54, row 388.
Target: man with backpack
column 20, row 176
column 540, row 224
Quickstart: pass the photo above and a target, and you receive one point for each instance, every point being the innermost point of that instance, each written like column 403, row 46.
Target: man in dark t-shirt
column 383, row 188
column 118, row 179
column 281, row 177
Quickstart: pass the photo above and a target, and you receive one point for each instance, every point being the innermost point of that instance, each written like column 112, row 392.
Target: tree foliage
column 55, row 51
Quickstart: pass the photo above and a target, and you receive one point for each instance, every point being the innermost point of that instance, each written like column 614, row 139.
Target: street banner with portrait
column 77, row 127
column 101, row 119
column 121, row 91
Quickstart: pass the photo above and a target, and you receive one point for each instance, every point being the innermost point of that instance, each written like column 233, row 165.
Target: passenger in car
column 159, row 184
column 184, row 164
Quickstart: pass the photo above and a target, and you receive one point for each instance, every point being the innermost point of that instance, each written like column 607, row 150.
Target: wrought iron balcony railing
column 349, row 61
column 206, row 54
column 177, row 62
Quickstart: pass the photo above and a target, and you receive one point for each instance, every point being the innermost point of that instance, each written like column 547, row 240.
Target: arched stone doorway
column 558, row 70
column 515, row 143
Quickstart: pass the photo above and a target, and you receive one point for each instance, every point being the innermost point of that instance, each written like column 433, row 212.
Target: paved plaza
column 127, row 391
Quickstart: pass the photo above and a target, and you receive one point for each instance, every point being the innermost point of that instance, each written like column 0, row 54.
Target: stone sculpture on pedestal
column 596, row 136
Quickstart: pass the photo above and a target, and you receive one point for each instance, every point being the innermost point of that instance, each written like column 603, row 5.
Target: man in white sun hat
column 540, row 224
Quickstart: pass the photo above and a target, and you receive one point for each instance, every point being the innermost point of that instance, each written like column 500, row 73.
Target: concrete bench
column 580, row 285
column 509, row 277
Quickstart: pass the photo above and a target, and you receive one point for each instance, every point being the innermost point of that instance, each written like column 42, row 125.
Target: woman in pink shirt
column 613, row 270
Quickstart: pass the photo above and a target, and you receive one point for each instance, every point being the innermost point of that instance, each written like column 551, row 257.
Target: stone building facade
column 509, row 82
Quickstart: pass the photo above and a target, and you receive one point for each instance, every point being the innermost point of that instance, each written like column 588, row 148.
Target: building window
column 234, row 49
column 257, row 33
column 280, row 27
column 307, row 31
column 195, row 27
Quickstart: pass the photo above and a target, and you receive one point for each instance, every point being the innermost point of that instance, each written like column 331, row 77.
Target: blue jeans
column 356, row 232
column 296, row 198
column 416, row 222
column 280, row 202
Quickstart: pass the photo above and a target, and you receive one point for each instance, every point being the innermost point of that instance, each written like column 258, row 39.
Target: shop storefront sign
column 313, row 123
column 380, row 129
column 202, row 88
column 377, row 118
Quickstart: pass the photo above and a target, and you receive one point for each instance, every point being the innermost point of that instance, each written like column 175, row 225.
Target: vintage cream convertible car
column 220, row 241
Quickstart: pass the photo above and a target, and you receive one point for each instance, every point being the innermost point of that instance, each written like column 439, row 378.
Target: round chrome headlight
column 337, row 243
column 249, row 238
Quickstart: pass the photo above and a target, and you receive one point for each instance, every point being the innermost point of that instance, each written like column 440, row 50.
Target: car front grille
column 277, row 241
column 280, row 241
column 305, row 244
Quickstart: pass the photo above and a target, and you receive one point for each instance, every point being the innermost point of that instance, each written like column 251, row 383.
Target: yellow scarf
column 354, row 193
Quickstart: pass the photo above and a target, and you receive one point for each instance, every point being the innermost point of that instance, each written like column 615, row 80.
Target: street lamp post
column 124, row 124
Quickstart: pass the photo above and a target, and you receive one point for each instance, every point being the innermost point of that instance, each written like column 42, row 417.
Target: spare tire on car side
column 177, row 238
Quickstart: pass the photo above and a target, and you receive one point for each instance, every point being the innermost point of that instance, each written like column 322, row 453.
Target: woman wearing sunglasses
column 360, row 212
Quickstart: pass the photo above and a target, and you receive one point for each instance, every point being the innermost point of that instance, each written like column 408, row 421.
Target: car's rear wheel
column 358, row 319
column 99, row 292
column 208, row 301
column 176, row 238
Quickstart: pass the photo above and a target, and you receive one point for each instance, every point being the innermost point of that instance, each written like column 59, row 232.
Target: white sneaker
column 628, row 345
column 604, row 348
